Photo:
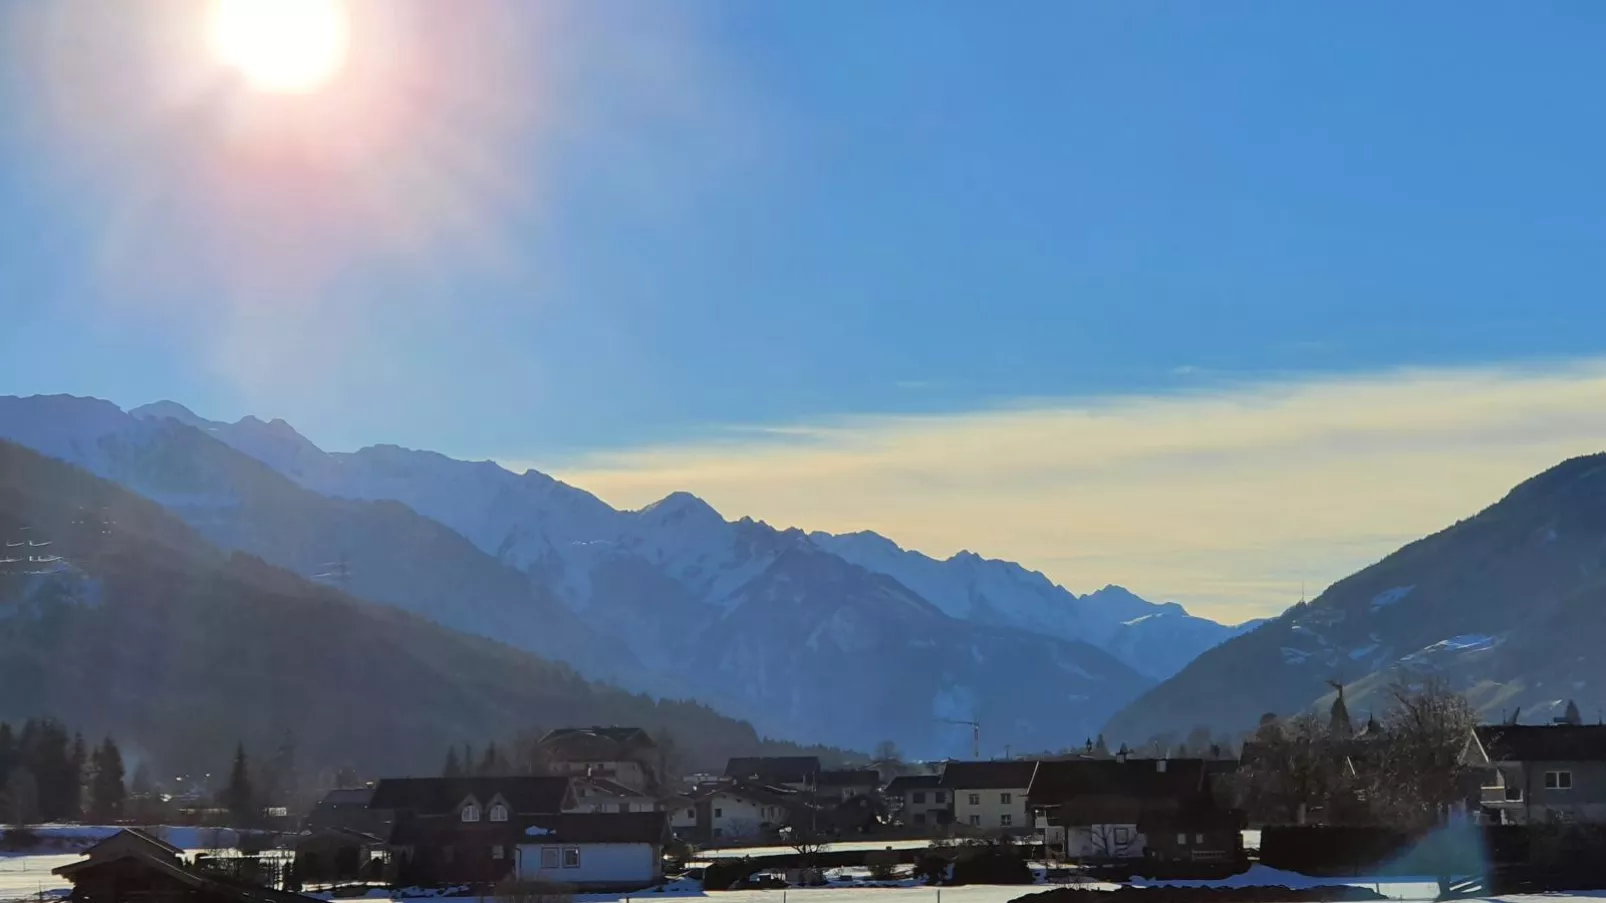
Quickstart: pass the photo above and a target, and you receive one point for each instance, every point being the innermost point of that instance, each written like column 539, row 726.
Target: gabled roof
column 213, row 885
column 1543, row 742
column 774, row 769
column 130, row 841
column 438, row 796
column 784, row 796
column 596, row 827
column 1134, row 779
column 988, row 775
column 849, row 777
column 908, row 782
column 598, row 744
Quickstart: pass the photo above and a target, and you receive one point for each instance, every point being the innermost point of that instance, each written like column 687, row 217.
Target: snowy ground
column 24, row 877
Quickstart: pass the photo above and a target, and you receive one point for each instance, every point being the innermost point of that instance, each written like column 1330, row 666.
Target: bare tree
column 1419, row 775
column 1291, row 770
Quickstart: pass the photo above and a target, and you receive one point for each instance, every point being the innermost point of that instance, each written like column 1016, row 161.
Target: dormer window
column 498, row 812
column 471, row 812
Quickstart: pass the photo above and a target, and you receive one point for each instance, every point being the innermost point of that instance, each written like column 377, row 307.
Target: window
column 719, row 813
column 919, row 798
column 496, row 852
column 447, row 854
column 549, row 857
column 1198, row 838
column 1004, row 820
column 571, row 857
column 691, row 813
column 1004, row 798
column 938, row 797
column 1182, row 840
column 920, row 818
column 1558, row 780
column 719, row 832
column 1122, row 834
column 975, row 821
column 498, row 812
column 975, row 799
column 471, row 812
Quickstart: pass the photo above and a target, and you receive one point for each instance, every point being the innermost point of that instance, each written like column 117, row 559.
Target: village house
column 348, row 810
column 607, row 795
column 1108, row 809
column 841, row 785
column 593, row 851
column 920, row 801
column 463, row 830
column 791, row 772
column 133, row 865
column 1532, row 774
column 740, row 811
column 627, row 755
column 990, row 796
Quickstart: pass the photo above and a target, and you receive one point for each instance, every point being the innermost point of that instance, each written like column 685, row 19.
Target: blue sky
column 662, row 227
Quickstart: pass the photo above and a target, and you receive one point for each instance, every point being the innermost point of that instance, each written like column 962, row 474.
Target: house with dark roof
column 463, row 830
column 617, row 851
column 841, row 785
column 795, row 772
column 627, row 755
column 1107, row 809
column 1535, row 773
column 920, row 800
column 347, row 810
column 133, row 865
column 990, row 796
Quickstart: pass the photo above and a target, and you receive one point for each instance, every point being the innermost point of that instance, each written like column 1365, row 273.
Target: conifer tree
column 107, row 793
column 239, row 797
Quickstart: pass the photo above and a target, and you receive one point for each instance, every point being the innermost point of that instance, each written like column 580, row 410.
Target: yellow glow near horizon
column 281, row 46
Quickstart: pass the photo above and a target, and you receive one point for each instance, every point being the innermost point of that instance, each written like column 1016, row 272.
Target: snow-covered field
column 24, row 877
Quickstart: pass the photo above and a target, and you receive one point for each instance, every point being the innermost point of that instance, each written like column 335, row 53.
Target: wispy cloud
column 1226, row 499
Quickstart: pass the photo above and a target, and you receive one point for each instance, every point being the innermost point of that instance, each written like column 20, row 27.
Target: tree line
column 48, row 773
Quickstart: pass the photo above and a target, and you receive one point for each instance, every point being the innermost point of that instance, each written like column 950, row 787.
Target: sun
column 282, row 46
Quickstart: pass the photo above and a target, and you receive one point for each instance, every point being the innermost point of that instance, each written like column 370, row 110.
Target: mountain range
column 125, row 620
column 1508, row 606
column 846, row 639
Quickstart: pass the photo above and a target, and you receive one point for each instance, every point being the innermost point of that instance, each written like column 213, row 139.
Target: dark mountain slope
column 146, row 630
column 1508, row 605
column 391, row 554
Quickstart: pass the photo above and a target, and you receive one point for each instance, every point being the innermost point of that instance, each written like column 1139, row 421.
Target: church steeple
column 1339, row 723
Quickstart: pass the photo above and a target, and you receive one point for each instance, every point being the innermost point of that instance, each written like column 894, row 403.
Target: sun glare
column 284, row 46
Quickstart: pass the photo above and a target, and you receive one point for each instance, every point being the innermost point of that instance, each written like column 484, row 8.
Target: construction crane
column 975, row 735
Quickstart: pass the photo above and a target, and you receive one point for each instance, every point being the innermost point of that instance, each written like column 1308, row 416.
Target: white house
column 739, row 812
column 593, row 851
column 606, row 795
column 990, row 796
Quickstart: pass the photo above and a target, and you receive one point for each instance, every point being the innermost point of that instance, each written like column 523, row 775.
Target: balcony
column 1501, row 797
